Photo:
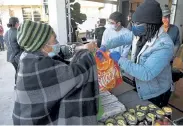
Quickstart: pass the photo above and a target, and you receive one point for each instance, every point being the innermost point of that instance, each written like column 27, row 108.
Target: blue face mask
column 56, row 50
column 139, row 30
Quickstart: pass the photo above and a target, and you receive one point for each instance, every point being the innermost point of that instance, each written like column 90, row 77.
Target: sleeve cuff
column 122, row 61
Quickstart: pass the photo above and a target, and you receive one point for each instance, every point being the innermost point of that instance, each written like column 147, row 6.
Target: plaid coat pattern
column 50, row 92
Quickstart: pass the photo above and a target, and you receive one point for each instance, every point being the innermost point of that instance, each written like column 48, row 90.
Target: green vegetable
column 109, row 124
column 140, row 114
column 119, row 117
column 152, row 106
column 132, row 111
column 160, row 112
column 121, row 123
column 110, row 121
column 144, row 108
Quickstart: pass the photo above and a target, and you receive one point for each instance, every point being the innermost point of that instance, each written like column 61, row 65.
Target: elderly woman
column 50, row 90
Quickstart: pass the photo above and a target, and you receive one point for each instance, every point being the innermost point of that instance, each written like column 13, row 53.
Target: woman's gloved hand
column 103, row 48
column 115, row 56
column 99, row 52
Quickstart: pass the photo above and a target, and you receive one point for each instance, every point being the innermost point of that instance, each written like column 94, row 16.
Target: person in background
column 170, row 29
column 173, row 32
column 92, row 33
column 87, row 34
column 99, row 31
column 129, row 18
column 152, row 51
column 1, row 37
column 129, row 22
column 115, row 28
column 50, row 90
column 13, row 49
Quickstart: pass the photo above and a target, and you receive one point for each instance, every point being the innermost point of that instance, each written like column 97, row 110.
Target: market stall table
column 130, row 99
column 128, row 96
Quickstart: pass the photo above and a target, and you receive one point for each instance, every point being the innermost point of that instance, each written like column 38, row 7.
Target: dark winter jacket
column 14, row 50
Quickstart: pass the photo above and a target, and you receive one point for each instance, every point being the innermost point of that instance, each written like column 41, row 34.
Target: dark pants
column 176, row 75
column 1, row 46
column 161, row 100
column 16, row 68
column 1, row 43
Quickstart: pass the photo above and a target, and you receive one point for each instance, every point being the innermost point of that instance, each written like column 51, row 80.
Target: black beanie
column 148, row 12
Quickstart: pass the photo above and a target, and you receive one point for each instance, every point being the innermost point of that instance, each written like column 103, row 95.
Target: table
column 130, row 99
column 128, row 96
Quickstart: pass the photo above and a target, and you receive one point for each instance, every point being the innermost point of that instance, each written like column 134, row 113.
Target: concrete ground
column 6, row 90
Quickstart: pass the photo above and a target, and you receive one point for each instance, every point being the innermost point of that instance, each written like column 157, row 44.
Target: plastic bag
column 109, row 75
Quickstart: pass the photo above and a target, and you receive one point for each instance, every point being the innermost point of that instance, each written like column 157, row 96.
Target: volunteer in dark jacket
column 99, row 31
column 50, row 91
column 13, row 49
column 129, row 26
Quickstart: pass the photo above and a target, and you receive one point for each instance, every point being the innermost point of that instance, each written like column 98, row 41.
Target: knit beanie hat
column 31, row 36
column 165, row 10
column 148, row 12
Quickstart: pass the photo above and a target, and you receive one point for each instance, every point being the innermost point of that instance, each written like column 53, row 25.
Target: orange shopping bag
column 109, row 75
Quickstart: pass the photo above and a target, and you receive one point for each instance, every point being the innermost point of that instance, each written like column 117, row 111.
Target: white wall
column 163, row 2
column 21, row 2
column 5, row 15
column 5, row 18
column 57, row 19
column 91, row 9
column 18, row 13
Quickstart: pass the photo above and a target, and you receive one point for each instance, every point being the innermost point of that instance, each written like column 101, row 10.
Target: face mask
column 138, row 30
column 111, row 26
column 56, row 50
